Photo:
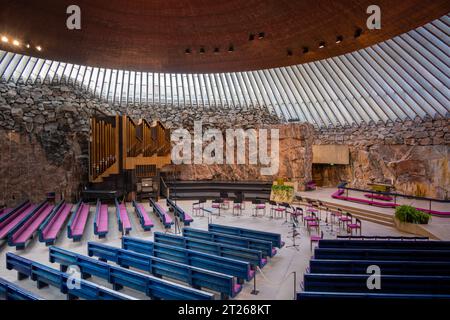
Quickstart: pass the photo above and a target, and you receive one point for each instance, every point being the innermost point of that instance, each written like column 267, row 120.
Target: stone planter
column 414, row 228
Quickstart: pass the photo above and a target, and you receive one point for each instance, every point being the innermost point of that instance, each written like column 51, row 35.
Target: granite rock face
column 413, row 155
column 49, row 124
column 294, row 164
column 44, row 132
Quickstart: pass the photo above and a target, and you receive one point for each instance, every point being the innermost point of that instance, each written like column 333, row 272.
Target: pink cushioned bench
column 5, row 211
column 24, row 233
column 78, row 224
column 124, row 218
column 167, row 220
column 8, row 224
column 53, row 227
column 146, row 222
column 101, row 223
column 378, row 197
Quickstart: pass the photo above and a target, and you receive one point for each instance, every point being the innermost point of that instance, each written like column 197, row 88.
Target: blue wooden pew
column 389, row 283
column 346, row 296
column 236, row 268
column 153, row 287
column 381, row 254
column 275, row 238
column 265, row 246
column 252, row 256
column 385, row 244
column 179, row 212
column 45, row 276
column 10, row 291
column 198, row 278
column 387, row 267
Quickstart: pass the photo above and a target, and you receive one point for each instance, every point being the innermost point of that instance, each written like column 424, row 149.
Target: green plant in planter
column 410, row 214
column 282, row 193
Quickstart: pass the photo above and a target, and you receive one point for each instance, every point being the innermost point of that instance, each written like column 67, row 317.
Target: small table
column 381, row 187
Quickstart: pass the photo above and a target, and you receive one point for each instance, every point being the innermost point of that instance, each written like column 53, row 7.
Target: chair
column 217, row 204
column 197, row 208
column 288, row 210
column 258, row 204
column 312, row 207
column 354, row 226
column 296, row 213
column 312, row 222
column 226, row 201
column 345, row 219
column 280, row 210
column 237, row 207
column 335, row 215
column 315, row 239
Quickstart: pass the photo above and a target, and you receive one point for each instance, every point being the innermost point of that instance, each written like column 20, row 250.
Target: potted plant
column 409, row 214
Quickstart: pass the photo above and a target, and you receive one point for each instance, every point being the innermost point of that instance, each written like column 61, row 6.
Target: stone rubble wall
column 413, row 154
column 44, row 134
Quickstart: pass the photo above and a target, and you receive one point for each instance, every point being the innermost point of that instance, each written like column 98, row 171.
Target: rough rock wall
column 44, row 134
column 414, row 155
column 295, row 160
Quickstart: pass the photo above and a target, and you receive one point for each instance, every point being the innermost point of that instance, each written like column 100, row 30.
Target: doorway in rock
column 329, row 175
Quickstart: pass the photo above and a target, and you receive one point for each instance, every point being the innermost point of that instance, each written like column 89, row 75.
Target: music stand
column 176, row 215
column 295, row 234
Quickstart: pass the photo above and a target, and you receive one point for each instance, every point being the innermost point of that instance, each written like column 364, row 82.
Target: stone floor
column 274, row 281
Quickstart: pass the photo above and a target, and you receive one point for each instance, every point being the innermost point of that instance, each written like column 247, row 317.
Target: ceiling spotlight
column 39, row 48
column 5, row 39
column 305, row 49
column 16, row 42
column 251, row 37
column 358, row 32
column 289, row 52
column 339, row 39
column 261, row 35
column 321, row 45
column 202, row 50
column 230, row 48
column 187, row 51
column 27, row 46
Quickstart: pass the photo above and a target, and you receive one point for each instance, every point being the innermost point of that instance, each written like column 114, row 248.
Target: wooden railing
column 102, row 145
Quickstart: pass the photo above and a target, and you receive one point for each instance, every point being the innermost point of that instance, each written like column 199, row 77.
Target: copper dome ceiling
column 153, row 35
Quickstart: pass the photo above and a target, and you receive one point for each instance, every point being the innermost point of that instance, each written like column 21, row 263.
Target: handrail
column 342, row 185
column 165, row 188
column 383, row 238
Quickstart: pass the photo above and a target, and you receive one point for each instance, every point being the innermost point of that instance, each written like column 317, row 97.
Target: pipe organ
column 119, row 143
